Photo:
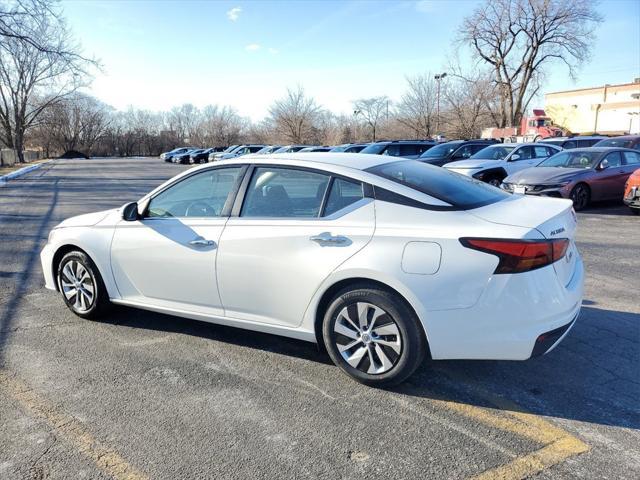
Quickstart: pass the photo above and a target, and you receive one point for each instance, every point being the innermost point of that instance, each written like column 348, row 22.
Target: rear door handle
column 202, row 242
column 328, row 239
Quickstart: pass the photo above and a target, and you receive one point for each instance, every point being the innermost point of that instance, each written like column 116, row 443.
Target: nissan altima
column 381, row 260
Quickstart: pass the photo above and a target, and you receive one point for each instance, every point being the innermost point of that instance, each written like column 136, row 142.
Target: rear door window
column 343, row 193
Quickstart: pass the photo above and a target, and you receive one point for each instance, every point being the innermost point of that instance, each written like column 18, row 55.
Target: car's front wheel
column 373, row 336
column 81, row 286
column 580, row 196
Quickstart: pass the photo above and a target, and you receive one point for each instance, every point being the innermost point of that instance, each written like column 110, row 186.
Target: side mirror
column 130, row 212
column 604, row 164
column 514, row 157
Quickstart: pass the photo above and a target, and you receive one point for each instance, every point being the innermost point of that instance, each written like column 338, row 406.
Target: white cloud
column 425, row 6
column 273, row 51
column 253, row 47
column 234, row 13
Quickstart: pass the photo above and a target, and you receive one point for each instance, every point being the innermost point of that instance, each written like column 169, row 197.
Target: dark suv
column 453, row 151
column 567, row 143
column 399, row 148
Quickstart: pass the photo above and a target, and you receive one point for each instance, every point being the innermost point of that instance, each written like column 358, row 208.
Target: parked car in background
column 239, row 151
column 168, row 156
column 183, row 158
column 395, row 252
column 453, row 150
column 215, row 155
column 268, row 149
column 349, row 147
column 399, row 148
column 200, row 156
column 495, row 162
column 581, row 174
column 624, row 141
column 314, row 149
column 290, row 148
column 632, row 192
column 567, row 143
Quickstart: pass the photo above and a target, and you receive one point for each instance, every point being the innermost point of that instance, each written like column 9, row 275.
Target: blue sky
column 158, row 54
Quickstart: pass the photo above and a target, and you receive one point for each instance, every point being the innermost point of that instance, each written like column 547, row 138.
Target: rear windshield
column 458, row 190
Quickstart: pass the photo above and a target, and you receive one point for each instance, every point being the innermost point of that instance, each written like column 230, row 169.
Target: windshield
column 572, row 159
column 494, row 152
column 615, row 142
column 457, row 190
column 230, row 149
column 443, row 150
column 375, row 148
column 554, row 142
column 543, row 122
column 339, row 148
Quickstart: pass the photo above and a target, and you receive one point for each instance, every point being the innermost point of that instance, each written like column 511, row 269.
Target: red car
column 632, row 192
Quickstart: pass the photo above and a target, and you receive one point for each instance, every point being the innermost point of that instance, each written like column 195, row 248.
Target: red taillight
column 516, row 256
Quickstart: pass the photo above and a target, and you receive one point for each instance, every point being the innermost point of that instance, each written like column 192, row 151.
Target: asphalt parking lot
column 145, row 395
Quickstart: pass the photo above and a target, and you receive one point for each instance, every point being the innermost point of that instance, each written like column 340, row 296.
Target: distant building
column 610, row 109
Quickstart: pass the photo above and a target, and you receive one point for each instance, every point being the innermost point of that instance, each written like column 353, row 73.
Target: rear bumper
column 549, row 340
column 506, row 322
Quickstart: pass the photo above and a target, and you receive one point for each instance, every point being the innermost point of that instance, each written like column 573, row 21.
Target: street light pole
column 438, row 79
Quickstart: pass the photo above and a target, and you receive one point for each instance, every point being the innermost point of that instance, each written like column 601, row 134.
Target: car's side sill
column 296, row 333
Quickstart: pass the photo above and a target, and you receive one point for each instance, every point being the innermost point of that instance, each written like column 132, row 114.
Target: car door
column 610, row 180
column 293, row 228
column 167, row 258
column 521, row 158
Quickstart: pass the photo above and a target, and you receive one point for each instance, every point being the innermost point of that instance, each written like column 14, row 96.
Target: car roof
column 622, row 137
column 356, row 161
column 600, row 149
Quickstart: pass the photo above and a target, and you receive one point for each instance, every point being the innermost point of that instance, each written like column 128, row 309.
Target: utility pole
column 438, row 79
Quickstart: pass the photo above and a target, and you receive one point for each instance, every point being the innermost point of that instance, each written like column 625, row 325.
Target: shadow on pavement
column 590, row 377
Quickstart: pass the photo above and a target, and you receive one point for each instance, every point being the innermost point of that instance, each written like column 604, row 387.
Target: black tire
column 635, row 211
column 581, row 196
column 82, row 303
column 402, row 353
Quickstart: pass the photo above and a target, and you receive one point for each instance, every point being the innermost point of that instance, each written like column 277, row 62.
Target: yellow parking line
column 558, row 444
column 69, row 428
column 532, row 463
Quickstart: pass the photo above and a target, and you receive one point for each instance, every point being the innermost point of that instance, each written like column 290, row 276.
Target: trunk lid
column 550, row 217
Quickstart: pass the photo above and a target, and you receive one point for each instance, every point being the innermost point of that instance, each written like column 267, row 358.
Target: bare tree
column 77, row 122
column 416, row 109
column 221, row 126
column 36, row 73
column 294, row 116
column 519, row 38
column 372, row 110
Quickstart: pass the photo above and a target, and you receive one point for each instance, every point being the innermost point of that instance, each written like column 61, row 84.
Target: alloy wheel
column 368, row 338
column 77, row 286
column 580, row 197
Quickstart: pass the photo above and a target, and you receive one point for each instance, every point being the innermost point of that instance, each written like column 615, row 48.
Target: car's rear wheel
column 580, row 196
column 373, row 336
column 81, row 286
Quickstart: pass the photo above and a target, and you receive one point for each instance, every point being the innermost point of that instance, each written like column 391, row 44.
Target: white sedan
column 496, row 162
column 382, row 260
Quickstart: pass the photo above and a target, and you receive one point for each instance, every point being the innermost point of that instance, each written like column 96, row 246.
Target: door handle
column 202, row 242
column 327, row 238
